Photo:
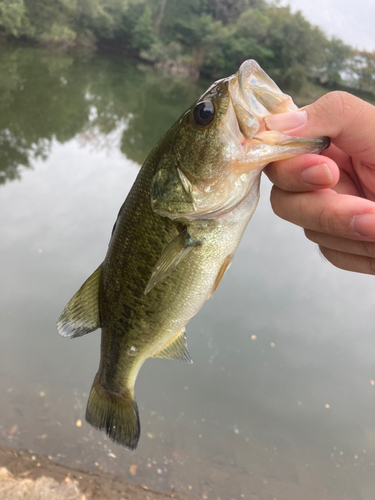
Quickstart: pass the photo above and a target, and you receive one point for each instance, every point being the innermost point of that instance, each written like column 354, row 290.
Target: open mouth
column 254, row 96
column 260, row 92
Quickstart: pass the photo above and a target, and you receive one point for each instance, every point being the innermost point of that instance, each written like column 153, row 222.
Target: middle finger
column 328, row 212
column 363, row 248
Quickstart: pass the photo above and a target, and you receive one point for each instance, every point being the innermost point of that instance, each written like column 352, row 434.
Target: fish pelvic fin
column 225, row 266
column 81, row 315
column 115, row 414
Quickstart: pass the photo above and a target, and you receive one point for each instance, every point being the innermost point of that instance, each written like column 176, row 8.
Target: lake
column 280, row 401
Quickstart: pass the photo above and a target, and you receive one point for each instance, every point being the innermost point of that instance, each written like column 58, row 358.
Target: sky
column 351, row 20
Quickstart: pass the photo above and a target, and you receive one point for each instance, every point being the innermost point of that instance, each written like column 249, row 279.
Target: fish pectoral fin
column 225, row 266
column 82, row 315
column 172, row 255
column 176, row 348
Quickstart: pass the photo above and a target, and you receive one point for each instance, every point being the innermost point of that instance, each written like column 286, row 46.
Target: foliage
column 228, row 11
column 210, row 37
column 143, row 36
column 361, row 69
column 336, row 60
column 227, row 48
column 12, row 16
column 298, row 47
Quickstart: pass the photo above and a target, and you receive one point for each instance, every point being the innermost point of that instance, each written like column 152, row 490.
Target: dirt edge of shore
column 24, row 469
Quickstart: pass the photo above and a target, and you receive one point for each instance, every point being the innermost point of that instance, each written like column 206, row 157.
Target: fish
column 175, row 237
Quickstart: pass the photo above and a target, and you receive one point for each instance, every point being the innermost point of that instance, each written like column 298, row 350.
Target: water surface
column 279, row 402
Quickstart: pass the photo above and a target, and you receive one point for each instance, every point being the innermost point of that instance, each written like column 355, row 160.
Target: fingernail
column 286, row 121
column 364, row 225
column 317, row 175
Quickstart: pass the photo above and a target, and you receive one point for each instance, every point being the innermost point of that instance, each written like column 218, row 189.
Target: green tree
column 99, row 19
column 254, row 23
column 361, row 68
column 298, row 48
column 187, row 22
column 227, row 47
column 50, row 20
column 228, row 11
column 190, row 36
column 143, row 35
column 12, row 16
column 337, row 55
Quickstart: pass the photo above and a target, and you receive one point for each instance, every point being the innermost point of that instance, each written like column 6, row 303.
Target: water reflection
column 279, row 402
column 46, row 97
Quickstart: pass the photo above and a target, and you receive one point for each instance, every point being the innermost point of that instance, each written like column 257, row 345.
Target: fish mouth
column 254, row 96
column 248, row 144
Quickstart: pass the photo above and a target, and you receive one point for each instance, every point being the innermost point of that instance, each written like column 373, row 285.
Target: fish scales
column 175, row 236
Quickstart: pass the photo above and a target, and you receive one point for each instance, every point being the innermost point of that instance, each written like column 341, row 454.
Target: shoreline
column 25, row 474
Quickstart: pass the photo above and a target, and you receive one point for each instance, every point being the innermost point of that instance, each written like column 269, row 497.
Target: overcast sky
column 351, row 20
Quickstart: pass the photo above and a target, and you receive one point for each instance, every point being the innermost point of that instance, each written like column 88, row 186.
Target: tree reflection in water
column 98, row 99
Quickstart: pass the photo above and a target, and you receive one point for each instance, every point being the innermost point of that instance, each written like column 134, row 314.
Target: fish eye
column 204, row 113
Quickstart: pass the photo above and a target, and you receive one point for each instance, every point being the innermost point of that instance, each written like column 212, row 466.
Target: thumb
column 346, row 119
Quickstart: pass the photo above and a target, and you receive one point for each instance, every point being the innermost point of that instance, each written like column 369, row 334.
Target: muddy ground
column 28, row 476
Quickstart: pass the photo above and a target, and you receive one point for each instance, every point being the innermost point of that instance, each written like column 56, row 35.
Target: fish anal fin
column 176, row 348
column 81, row 315
column 172, row 255
column 225, row 266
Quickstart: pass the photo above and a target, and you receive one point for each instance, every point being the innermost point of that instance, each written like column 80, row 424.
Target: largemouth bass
column 175, row 236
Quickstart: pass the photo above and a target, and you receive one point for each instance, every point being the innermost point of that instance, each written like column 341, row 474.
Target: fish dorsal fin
column 172, row 255
column 81, row 315
column 176, row 348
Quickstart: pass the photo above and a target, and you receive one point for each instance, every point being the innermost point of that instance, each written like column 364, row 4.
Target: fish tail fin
column 116, row 414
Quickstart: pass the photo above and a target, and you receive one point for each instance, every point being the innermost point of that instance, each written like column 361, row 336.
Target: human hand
column 332, row 196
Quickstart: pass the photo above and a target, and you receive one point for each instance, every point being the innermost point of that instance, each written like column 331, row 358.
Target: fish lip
column 254, row 96
column 246, row 69
column 321, row 143
column 327, row 143
column 261, row 92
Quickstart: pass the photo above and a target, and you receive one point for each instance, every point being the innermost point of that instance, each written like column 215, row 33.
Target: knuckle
column 272, row 173
column 329, row 218
column 311, row 235
column 325, row 220
column 337, row 259
column 327, row 254
column 349, row 262
column 338, row 100
column 371, row 265
column 276, row 200
column 368, row 249
column 334, row 102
